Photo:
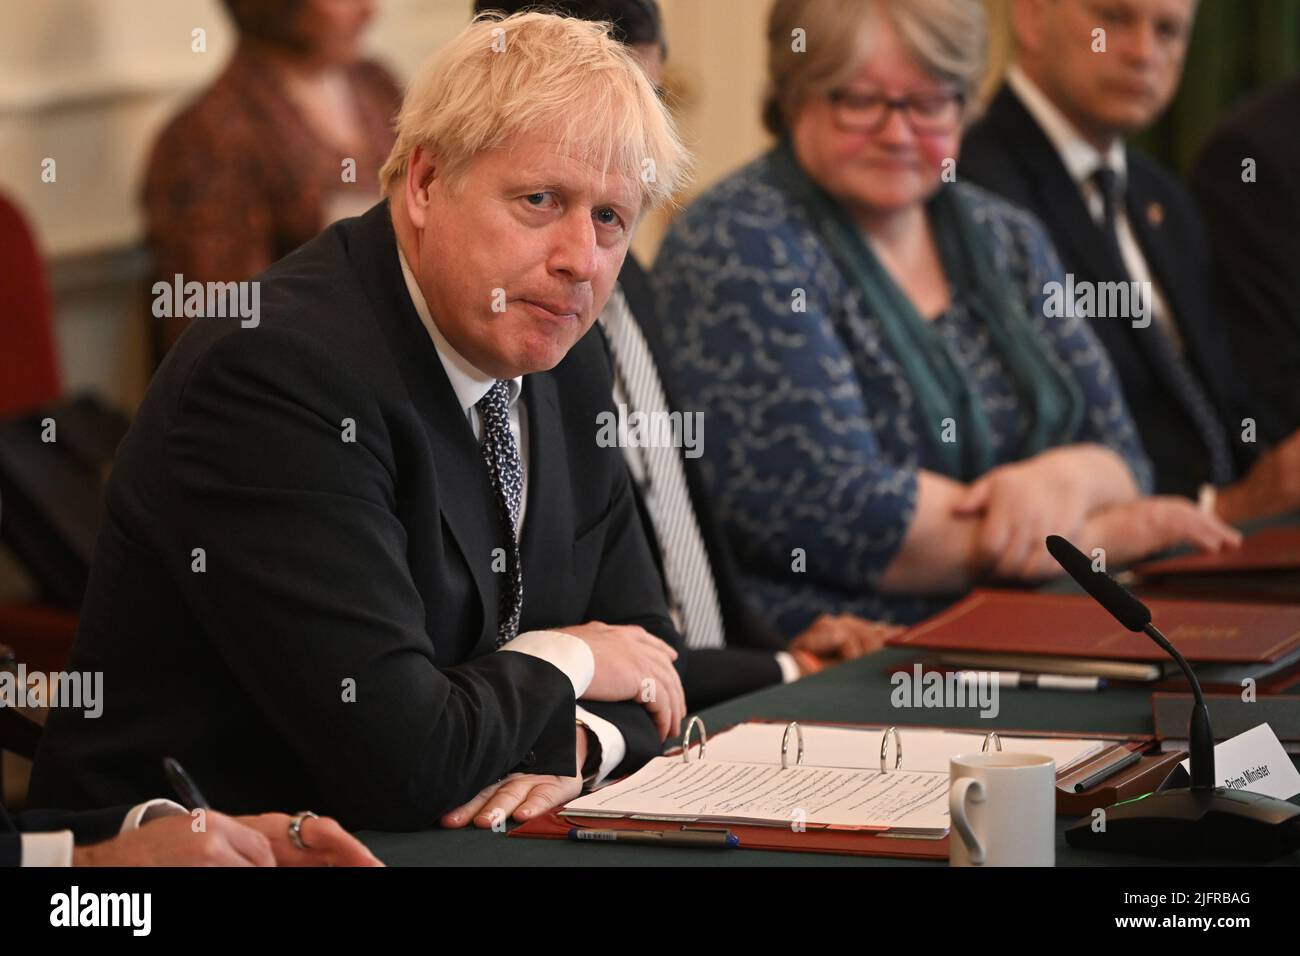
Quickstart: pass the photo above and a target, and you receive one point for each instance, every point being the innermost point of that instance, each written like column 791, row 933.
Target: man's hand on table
column 833, row 638
column 522, row 796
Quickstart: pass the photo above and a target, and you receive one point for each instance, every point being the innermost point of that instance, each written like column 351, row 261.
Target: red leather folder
column 1067, row 625
column 1265, row 568
column 811, row 840
column 1273, row 549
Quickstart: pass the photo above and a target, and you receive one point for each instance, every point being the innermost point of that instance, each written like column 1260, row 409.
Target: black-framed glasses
column 932, row 111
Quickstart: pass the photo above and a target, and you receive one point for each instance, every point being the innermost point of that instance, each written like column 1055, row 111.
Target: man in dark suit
column 118, row 836
column 312, row 587
column 1052, row 141
column 1246, row 181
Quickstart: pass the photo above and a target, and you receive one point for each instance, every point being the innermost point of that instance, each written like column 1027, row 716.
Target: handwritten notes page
column 722, row 791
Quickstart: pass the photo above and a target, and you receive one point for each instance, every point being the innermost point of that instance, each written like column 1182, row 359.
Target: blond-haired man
column 365, row 555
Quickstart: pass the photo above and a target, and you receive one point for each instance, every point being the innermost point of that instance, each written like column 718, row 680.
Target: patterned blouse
column 240, row 179
column 812, row 440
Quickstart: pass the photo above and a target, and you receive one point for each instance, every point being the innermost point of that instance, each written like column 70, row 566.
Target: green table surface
column 857, row 692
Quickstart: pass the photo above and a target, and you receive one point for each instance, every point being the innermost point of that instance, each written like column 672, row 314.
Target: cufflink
column 1155, row 214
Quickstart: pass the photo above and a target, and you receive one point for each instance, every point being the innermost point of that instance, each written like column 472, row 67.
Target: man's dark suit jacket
column 1255, row 228
column 1007, row 152
column 89, row 827
column 747, row 662
column 336, row 653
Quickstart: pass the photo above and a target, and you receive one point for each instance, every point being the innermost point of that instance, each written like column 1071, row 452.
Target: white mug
column 1003, row 810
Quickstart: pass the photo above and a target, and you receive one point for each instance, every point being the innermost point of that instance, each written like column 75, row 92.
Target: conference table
column 854, row 692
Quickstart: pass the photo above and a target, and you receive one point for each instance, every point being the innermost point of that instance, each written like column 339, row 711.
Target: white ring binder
column 785, row 744
column 884, row 748
column 686, row 738
column 993, row 736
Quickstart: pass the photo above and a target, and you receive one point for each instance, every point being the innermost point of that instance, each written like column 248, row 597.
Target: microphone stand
column 1181, row 822
column 1200, row 737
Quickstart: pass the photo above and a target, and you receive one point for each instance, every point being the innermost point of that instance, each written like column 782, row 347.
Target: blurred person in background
column 1246, row 182
column 637, row 24
column 1053, row 142
column 893, row 414
column 289, row 138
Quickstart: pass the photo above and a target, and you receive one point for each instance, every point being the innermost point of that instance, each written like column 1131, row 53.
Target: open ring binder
column 686, row 738
column 697, row 723
column 884, row 748
column 726, row 796
column 785, row 744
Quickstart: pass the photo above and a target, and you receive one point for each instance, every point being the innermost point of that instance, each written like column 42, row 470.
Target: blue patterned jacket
column 812, row 441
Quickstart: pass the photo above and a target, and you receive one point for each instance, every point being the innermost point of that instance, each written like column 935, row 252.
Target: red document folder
column 812, row 840
column 1274, row 549
column 1067, row 625
column 1266, row 568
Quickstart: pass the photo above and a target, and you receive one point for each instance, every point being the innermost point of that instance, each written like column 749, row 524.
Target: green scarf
column 940, row 384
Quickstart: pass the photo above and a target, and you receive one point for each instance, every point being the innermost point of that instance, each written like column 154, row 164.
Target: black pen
column 185, row 788
column 1106, row 773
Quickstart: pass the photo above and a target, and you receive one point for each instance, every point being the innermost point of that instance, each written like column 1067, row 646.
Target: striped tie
column 691, row 587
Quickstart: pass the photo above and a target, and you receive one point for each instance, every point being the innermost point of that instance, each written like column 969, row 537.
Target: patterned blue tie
column 506, row 474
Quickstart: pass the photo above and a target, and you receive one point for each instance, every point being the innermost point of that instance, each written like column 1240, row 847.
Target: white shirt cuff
column 144, row 812
column 613, row 748
column 789, row 667
column 46, row 849
column 570, row 654
column 55, row 849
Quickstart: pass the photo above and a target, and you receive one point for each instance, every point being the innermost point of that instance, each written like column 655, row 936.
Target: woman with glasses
column 895, row 408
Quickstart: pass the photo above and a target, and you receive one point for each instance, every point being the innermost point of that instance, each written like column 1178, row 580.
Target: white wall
column 89, row 83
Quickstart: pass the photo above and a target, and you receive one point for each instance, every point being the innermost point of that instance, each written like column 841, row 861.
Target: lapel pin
column 1155, row 214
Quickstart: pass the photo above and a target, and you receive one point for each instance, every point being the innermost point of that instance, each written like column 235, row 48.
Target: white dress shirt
column 570, row 654
column 55, row 849
column 1081, row 160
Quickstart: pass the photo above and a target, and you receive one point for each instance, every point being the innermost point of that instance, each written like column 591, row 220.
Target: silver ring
column 884, row 748
column 992, row 735
column 295, row 828
column 686, row 739
column 785, row 743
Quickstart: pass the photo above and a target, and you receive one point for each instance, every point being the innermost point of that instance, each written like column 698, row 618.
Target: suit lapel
column 1063, row 210
column 1083, row 246
column 465, row 497
column 1160, row 256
